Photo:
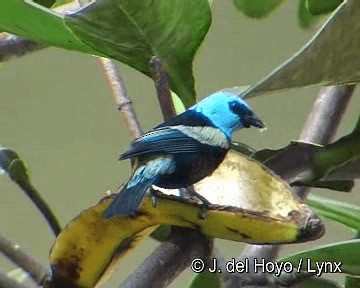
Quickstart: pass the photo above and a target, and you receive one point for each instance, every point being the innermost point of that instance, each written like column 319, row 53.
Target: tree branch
column 162, row 88
column 326, row 115
column 12, row 251
column 14, row 46
column 170, row 258
column 325, row 118
column 122, row 101
column 7, row 282
column 320, row 127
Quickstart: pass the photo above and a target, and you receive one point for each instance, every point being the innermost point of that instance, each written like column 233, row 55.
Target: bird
column 182, row 150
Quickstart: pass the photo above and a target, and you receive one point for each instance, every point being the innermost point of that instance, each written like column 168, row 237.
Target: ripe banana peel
column 249, row 204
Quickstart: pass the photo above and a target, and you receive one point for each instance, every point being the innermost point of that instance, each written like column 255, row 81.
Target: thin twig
column 122, row 101
column 320, row 127
column 326, row 115
column 12, row 251
column 16, row 170
column 170, row 258
column 162, row 88
column 14, row 46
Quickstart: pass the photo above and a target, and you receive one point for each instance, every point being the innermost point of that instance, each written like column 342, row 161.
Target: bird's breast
column 192, row 167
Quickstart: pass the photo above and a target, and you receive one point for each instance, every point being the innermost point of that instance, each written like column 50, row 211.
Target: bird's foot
column 202, row 211
column 204, row 203
column 153, row 198
column 198, row 196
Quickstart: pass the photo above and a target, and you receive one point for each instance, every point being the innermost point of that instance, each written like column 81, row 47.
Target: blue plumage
column 184, row 149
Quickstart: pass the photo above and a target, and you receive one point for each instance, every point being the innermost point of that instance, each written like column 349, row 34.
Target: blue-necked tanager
column 183, row 150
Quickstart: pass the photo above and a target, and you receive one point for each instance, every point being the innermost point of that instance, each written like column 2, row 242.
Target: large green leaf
column 27, row 19
column 305, row 18
column 257, row 8
column 205, row 280
column 352, row 282
column 302, row 280
column 318, row 7
column 317, row 283
column 348, row 253
column 129, row 31
column 45, row 3
column 330, row 57
column 341, row 212
column 134, row 31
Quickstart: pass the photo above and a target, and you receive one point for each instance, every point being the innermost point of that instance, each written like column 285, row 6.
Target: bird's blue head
column 228, row 112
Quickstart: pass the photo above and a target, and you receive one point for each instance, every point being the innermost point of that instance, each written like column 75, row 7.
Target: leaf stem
column 43, row 207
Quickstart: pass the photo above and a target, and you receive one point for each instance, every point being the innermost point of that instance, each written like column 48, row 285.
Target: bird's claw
column 153, row 198
column 203, row 208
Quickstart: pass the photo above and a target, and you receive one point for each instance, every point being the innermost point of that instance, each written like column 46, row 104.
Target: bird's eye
column 235, row 108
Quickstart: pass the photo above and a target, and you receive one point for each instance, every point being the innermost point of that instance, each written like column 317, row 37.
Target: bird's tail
column 128, row 199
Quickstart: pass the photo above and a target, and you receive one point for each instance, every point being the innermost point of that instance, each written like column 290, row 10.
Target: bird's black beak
column 253, row 120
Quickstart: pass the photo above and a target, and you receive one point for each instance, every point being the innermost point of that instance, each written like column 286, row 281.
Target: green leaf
column 333, row 50
column 318, row 7
column 63, row 2
column 305, row 18
column 161, row 233
column 303, row 155
column 257, row 8
column 134, row 31
column 333, row 166
column 179, row 106
column 342, row 186
column 45, row 3
column 341, row 212
column 352, row 282
column 26, row 19
column 341, row 160
column 11, row 163
column 205, row 280
column 304, row 280
column 317, row 283
column 348, row 253
column 242, row 148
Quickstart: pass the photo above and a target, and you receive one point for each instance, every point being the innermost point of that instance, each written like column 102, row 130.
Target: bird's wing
column 176, row 139
column 161, row 140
